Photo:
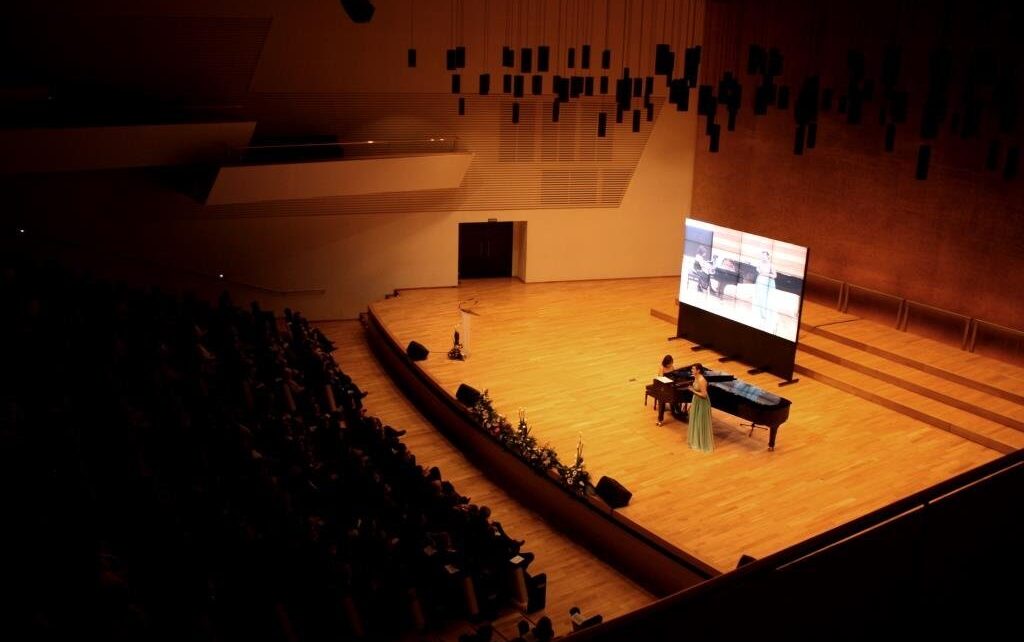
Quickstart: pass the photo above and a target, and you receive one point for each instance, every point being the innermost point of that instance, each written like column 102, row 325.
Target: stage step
column 968, row 395
column 960, row 422
column 947, row 361
column 954, row 392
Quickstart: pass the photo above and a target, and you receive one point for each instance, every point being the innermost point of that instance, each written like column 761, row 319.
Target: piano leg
column 772, row 431
column 661, row 411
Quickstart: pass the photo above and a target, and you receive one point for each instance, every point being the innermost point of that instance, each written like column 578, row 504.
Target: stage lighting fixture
column 576, row 86
column 826, row 101
column 358, row 10
column 924, row 154
column 526, row 60
column 783, row 97
column 992, row 159
column 716, row 133
column 1012, row 162
column 562, row 87
column 623, row 92
column 543, row 57
column 664, row 60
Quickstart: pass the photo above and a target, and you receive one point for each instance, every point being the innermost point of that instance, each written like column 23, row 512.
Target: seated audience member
column 232, row 501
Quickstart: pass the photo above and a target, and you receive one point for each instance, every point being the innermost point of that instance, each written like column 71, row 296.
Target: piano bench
column 647, row 394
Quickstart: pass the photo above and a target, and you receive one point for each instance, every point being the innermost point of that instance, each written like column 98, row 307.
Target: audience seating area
column 184, row 470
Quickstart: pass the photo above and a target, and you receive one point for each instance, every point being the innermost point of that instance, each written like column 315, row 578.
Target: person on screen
column 699, row 435
column 702, row 268
column 765, row 283
column 714, row 284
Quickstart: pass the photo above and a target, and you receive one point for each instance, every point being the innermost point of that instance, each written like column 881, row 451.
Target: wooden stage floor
column 577, row 355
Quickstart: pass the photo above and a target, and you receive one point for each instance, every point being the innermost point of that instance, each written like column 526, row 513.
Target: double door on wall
column 486, row 250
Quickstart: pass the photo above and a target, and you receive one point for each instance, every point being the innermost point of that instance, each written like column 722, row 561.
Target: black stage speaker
column 468, row 395
column 613, row 493
column 416, row 351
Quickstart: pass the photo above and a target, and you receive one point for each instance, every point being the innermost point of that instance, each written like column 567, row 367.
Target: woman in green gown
column 699, row 435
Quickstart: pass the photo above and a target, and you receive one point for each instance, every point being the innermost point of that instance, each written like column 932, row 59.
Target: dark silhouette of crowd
column 181, row 469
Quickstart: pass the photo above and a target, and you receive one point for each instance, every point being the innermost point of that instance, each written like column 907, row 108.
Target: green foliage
column 524, row 445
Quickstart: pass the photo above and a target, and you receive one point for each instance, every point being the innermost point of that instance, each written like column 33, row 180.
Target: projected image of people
column 750, row 279
column 765, row 283
column 703, row 268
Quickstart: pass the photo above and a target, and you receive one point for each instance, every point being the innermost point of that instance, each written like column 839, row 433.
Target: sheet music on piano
column 663, row 379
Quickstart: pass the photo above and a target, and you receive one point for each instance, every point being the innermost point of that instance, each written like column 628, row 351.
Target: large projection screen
column 742, row 294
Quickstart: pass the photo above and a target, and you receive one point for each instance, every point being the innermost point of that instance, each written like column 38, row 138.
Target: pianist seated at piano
column 702, row 269
column 668, row 366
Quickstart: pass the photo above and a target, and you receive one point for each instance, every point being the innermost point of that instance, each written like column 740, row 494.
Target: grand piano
column 726, row 393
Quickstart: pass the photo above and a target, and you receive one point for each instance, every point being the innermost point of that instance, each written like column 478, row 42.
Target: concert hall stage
column 864, row 430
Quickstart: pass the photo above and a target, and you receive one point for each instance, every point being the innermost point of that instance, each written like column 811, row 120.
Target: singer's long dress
column 699, row 435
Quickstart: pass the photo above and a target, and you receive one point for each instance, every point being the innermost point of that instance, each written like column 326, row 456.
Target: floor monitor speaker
column 417, row 351
column 468, row 395
column 613, row 493
column 745, row 559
